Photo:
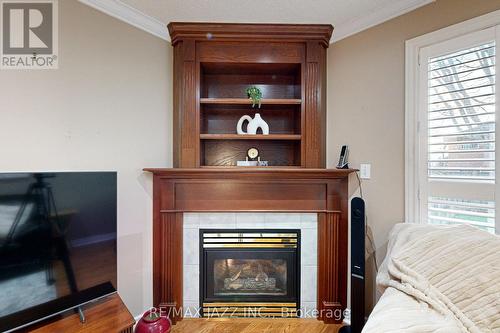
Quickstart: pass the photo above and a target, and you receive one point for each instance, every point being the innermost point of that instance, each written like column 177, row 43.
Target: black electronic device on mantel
column 357, row 267
column 343, row 158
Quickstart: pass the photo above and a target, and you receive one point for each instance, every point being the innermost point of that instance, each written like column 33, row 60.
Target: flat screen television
column 57, row 243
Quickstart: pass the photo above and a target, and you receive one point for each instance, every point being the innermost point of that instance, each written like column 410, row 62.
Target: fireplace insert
column 249, row 272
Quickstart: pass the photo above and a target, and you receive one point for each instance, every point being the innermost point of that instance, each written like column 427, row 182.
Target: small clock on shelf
column 253, row 153
column 252, row 159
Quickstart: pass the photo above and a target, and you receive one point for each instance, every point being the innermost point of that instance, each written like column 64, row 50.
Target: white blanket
column 454, row 271
column 397, row 312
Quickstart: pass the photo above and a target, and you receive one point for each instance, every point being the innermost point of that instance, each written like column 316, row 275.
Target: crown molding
column 380, row 15
column 138, row 19
column 130, row 15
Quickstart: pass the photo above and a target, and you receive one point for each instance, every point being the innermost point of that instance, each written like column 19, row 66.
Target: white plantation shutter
column 457, row 131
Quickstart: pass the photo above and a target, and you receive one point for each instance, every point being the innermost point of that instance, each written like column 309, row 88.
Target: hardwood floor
column 237, row 325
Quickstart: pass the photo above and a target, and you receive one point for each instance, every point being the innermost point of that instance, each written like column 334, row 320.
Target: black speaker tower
column 357, row 267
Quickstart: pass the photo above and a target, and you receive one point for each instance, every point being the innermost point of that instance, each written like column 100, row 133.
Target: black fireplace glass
column 239, row 277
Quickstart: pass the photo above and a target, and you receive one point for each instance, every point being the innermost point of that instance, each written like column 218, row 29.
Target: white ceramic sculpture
column 253, row 124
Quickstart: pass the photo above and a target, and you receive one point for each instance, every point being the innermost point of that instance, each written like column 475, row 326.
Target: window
column 451, row 145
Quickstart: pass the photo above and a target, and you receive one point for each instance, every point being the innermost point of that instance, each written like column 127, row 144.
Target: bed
column 442, row 279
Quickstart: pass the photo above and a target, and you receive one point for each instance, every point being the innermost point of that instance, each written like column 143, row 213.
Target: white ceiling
column 347, row 16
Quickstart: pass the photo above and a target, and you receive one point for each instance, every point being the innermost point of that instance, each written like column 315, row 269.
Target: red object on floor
column 151, row 323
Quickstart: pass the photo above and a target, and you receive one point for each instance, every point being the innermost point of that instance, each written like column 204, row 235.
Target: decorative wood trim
column 315, row 104
column 167, row 253
column 177, row 106
column 157, row 239
column 250, row 173
column 333, row 232
column 249, row 195
column 311, row 117
column 249, row 51
column 186, row 144
column 189, row 115
column 328, row 258
column 171, row 282
column 245, row 31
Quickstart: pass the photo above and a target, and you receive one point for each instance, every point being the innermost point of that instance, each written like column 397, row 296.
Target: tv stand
column 108, row 315
column 81, row 314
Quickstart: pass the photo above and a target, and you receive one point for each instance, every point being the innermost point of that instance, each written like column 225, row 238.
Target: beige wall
column 366, row 103
column 107, row 107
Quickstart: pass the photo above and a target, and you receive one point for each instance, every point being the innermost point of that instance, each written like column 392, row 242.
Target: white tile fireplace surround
column 306, row 222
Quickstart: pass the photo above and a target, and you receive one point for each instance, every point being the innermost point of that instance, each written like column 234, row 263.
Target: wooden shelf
column 241, row 172
column 229, row 167
column 293, row 137
column 275, row 101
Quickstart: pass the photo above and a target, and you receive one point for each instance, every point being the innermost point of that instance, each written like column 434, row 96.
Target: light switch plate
column 365, row 171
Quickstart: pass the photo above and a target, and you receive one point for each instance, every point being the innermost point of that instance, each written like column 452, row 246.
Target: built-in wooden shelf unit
column 214, row 64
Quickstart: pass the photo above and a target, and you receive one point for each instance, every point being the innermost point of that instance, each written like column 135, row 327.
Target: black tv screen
column 57, row 243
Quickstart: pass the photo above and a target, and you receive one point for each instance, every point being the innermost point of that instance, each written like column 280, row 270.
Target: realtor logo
column 29, row 38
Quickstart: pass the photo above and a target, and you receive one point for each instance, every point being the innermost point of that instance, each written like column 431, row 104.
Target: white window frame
column 413, row 88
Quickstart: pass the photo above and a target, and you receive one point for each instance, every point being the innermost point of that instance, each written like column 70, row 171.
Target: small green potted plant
column 255, row 95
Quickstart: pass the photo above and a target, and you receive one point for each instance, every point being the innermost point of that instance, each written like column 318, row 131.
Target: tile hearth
column 193, row 222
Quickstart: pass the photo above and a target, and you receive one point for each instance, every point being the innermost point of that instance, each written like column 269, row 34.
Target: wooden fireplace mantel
column 321, row 191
